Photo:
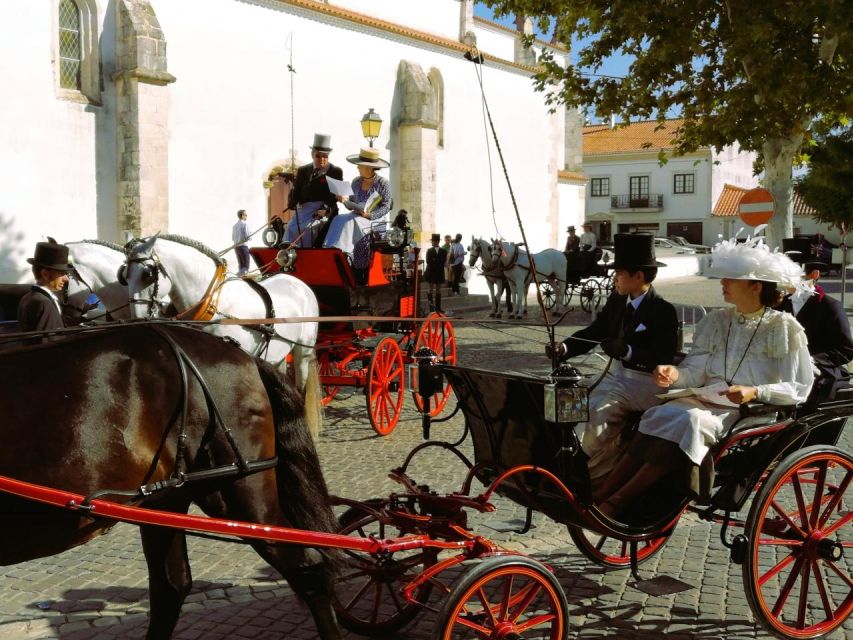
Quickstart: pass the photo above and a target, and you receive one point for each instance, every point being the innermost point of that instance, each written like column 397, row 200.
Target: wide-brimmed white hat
column 753, row 260
column 369, row 157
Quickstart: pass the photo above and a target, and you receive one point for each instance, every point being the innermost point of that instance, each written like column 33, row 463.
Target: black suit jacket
column 828, row 332
column 654, row 345
column 307, row 190
column 37, row 312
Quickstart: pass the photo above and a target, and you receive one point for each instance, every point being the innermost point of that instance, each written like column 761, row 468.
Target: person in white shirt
column 456, row 260
column 240, row 238
column 588, row 241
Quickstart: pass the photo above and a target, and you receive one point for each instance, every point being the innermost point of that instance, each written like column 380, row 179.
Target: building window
column 75, row 51
column 69, row 45
column 683, row 183
column 639, row 187
column 600, row 187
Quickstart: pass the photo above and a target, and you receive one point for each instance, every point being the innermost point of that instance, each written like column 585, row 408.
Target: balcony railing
column 651, row 201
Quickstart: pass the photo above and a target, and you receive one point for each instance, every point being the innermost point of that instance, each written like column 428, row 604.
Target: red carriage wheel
column 327, row 368
column 797, row 570
column 612, row 552
column 505, row 597
column 385, row 386
column 367, row 591
column 441, row 339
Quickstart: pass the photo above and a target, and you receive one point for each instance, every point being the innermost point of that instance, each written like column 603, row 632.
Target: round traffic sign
column 756, row 207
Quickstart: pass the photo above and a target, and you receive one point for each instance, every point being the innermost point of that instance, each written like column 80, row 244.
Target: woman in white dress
column 369, row 205
column 750, row 350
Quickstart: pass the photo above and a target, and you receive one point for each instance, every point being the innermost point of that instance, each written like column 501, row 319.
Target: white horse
column 515, row 263
column 189, row 274
column 482, row 249
column 96, row 264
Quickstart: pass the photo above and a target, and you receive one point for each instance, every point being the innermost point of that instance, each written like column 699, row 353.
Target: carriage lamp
column 565, row 400
column 425, row 377
column 286, row 258
column 270, row 236
column 396, row 237
column 371, row 123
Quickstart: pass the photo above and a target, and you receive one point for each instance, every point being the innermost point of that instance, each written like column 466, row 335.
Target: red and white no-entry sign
column 756, row 207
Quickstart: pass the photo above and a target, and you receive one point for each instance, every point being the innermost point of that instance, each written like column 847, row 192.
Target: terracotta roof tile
column 727, row 203
column 637, row 136
column 571, row 175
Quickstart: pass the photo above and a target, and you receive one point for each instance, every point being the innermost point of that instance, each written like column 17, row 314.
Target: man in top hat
column 639, row 330
column 39, row 309
column 310, row 197
column 572, row 242
column 436, row 258
column 827, row 330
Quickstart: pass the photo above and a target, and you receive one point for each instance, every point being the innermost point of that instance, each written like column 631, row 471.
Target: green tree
column 828, row 186
column 767, row 74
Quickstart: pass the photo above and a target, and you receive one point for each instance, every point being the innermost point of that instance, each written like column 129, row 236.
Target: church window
column 69, row 45
column 437, row 83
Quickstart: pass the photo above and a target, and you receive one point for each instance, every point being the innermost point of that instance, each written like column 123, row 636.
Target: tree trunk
column 778, row 161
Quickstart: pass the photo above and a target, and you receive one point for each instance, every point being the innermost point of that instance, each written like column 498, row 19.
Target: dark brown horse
column 103, row 410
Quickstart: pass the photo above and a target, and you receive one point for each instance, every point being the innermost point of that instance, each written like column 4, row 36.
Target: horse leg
column 313, row 396
column 169, row 577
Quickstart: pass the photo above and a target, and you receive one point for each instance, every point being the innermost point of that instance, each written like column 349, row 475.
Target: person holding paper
column 752, row 351
column 369, row 205
column 310, row 197
column 639, row 330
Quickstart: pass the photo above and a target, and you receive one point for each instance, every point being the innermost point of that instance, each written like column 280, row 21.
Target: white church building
column 136, row 116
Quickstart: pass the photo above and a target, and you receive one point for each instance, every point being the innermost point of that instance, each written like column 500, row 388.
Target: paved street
column 100, row 590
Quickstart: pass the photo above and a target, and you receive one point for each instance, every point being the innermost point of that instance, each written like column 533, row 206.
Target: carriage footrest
column 662, row 586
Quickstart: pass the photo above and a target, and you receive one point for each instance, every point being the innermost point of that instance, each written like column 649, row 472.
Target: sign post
column 756, row 207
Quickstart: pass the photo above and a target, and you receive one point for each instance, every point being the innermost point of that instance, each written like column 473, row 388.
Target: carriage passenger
column 748, row 351
column 639, row 330
column 310, row 197
column 369, row 205
column 580, row 261
column 39, row 309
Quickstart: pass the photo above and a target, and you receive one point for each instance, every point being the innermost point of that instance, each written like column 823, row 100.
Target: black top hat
column 436, row 237
column 50, row 255
column 811, row 265
column 634, row 251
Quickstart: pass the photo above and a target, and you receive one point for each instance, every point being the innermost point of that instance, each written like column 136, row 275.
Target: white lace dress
column 766, row 349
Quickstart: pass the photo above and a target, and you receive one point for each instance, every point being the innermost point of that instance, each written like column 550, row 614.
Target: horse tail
column 313, row 396
column 302, row 491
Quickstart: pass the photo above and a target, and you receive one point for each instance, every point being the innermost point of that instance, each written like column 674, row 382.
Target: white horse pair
column 514, row 262
column 481, row 249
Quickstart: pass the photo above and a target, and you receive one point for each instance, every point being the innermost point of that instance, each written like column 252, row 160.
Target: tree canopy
column 828, row 186
column 767, row 75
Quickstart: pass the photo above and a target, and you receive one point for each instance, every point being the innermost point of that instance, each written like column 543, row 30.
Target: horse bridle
column 152, row 270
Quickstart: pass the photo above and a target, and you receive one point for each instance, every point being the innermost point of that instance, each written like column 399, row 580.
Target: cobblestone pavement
column 100, row 590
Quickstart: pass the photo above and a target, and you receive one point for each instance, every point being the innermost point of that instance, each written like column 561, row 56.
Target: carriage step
column 662, row 586
column 509, row 526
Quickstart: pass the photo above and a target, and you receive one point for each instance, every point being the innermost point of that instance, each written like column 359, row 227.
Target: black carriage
column 590, row 282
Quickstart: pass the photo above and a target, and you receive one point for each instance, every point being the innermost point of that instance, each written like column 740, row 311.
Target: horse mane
column 103, row 243
column 195, row 244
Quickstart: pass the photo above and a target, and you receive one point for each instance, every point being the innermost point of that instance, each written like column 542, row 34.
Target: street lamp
column 371, row 123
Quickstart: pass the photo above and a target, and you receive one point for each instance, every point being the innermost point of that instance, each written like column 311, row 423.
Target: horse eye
column 148, row 273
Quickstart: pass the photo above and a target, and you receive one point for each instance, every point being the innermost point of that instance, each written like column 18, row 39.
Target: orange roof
column 637, row 136
column 571, row 175
column 727, row 203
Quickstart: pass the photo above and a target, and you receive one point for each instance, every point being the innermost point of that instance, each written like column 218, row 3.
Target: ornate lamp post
column 371, row 123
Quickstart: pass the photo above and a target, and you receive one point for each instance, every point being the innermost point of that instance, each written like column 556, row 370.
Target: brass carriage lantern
column 565, row 400
column 371, row 124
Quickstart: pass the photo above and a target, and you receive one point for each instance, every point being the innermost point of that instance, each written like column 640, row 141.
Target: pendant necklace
column 741, row 320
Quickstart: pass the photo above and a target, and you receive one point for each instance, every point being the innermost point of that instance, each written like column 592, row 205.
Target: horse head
column 146, row 279
column 474, row 251
column 93, row 290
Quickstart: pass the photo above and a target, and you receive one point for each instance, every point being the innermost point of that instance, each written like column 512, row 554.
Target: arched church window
column 70, row 45
column 437, row 84
column 76, row 50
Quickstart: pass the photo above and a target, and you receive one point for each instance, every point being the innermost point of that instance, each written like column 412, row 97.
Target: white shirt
column 635, row 302
column 240, row 233
column 52, row 297
column 457, row 252
column 588, row 238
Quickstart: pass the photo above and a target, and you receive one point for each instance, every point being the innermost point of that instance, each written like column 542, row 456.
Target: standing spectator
column 436, row 258
column 456, row 259
column 448, row 270
column 39, row 310
column 240, row 238
column 310, row 197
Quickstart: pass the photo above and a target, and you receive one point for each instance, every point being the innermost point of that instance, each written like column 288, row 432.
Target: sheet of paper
column 372, row 202
column 339, row 187
column 710, row 394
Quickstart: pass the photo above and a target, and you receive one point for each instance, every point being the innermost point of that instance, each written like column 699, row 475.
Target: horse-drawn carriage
column 592, row 283
column 794, row 548
column 367, row 340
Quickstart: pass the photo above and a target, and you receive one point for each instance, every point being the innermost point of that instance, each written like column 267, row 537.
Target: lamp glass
column 371, row 124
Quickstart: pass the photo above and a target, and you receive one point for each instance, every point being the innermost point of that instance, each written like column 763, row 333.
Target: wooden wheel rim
column 804, row 573
column 598, row 550
column 384, row 402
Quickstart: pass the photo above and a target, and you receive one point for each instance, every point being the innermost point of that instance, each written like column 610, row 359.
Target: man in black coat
column 639, row 330
column 827, row 329
column 436, row 259
column 39, row 309
column 310, row 198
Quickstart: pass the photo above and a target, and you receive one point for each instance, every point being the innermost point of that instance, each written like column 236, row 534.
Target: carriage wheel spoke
column 804, row 595
column 487, row 606
column 841, row 522
column 394, row 597
column 786, row 588
column 600, row 543
column 801, row 502
column 788, row 519
column 480, row 629
column 828, row 606
column 818, row 494
column 840, row 573
column 358, row 595
column 532, row 591
column 836, row 499
column 776, row 569
column 536, row 622
column 506, row 597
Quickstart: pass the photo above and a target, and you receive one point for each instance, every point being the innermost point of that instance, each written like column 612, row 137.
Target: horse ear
column 121, row 275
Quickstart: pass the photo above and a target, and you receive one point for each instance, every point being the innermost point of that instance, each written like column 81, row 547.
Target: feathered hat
column 753, row 260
